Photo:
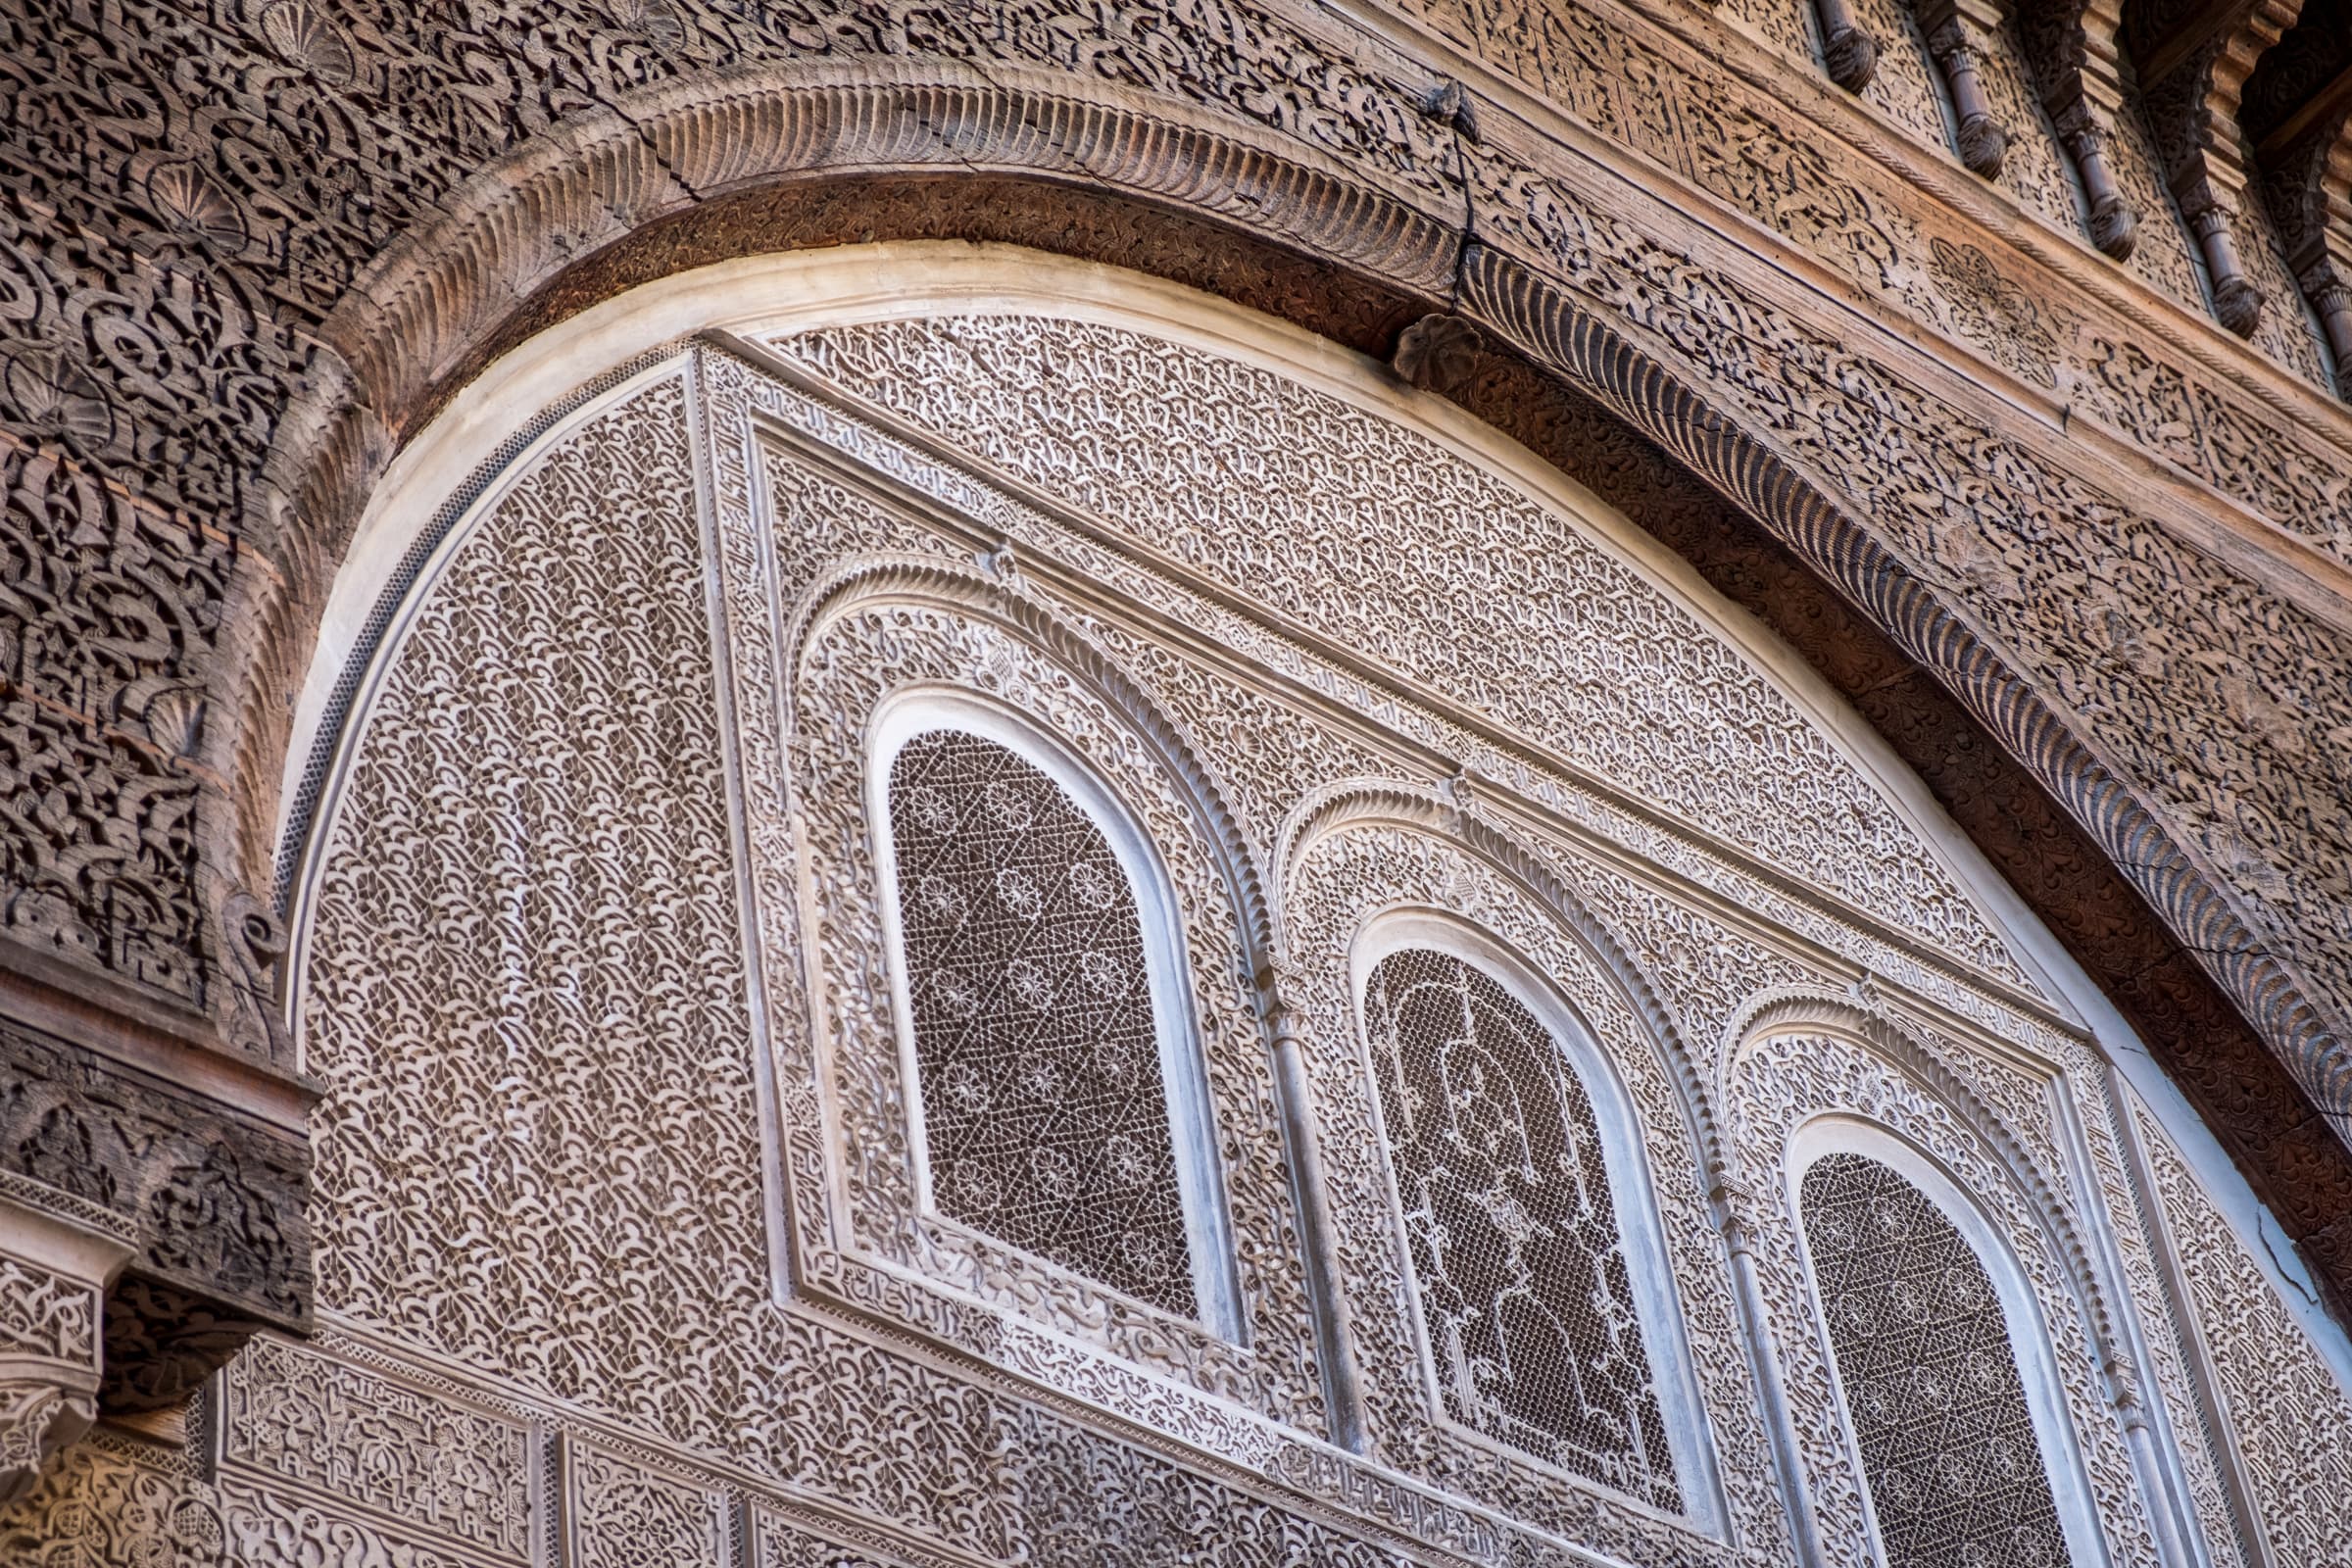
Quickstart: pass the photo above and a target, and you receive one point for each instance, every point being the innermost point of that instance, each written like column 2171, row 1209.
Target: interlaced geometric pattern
column 1519, row 1266
column 1930, row 1378
column 1044, row 1104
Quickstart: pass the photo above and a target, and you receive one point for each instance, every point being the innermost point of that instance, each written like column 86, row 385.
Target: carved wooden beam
column 2073, row 47
column 2192, row 71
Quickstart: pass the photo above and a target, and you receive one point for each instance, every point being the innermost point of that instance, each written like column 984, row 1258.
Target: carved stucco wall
column 248, row 245
column 2284, row 1404
column 562, row 1074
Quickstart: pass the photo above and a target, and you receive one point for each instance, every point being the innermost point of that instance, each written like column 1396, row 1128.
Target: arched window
column 1933, row 1387
column 1529, row 1306
column 1048, row 1024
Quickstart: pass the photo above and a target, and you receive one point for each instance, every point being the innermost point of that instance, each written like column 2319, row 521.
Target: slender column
column 2155, row 1477
column 2114, row 224
column 2324, row 284
column 1955, row 33
column 1294, row 1099
column 1732, row 1202
column 2236, row 302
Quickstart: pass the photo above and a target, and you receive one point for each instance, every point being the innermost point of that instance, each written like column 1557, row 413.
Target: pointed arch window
column 1532, row 1309
column 1934, row 1384
column 1060, row 1102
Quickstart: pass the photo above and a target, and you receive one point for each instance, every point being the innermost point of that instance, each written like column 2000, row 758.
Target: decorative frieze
column 619, row 1512
column 327, row 1426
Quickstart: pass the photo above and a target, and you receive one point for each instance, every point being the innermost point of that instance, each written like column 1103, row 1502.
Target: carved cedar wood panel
column 541, row 1164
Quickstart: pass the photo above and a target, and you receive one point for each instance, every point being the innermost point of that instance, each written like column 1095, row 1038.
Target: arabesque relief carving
column 252, row 244
column 564, row 1321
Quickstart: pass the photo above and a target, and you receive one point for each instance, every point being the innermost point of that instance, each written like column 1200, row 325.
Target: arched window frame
column 2021, row 1315
column 1192, row 1116
column 1631, row 1192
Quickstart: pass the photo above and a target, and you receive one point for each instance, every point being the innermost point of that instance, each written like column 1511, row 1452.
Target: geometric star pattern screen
column 1931, row 1377
column 1518, row 1263
column 1044, row 1108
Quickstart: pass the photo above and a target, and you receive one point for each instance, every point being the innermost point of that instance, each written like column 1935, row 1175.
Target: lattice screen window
column 1045, row 1103
column 1930, row 1376
column 1518, row 1263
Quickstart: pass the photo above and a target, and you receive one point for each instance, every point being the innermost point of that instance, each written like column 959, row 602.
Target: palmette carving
column 779, row 1545
column 48, row 1365
column 218, row 1199
column 46, row 1314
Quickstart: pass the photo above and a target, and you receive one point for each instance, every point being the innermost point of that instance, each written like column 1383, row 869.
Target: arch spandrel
column 1363, row 534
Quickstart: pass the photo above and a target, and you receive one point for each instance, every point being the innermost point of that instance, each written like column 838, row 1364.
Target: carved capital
column 57, row 1255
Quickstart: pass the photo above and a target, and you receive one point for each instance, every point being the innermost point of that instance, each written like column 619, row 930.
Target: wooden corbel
column 1849, row 54
column 2298, row 111
column 2192, row 69
column 1958, row 33
column 2072, row 47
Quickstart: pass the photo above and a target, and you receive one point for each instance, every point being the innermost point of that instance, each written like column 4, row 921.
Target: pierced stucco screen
column 1931, row 1377
column 1517, row 1259
column 1045, row 1105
